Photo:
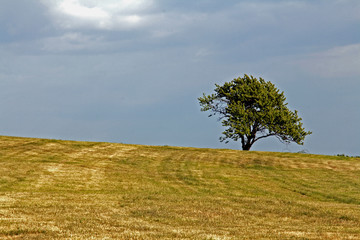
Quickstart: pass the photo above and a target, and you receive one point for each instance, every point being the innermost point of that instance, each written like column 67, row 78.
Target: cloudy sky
column 131, row 71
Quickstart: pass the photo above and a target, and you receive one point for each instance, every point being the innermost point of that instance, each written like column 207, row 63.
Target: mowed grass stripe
column 51, row 189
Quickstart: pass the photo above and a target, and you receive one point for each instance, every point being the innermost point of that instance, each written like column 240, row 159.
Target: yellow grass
column 52, row 189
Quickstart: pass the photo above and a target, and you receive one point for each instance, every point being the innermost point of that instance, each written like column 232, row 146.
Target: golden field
column 53, row 189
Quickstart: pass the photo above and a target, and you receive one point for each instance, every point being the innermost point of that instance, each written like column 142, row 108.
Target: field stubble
column 52, row 189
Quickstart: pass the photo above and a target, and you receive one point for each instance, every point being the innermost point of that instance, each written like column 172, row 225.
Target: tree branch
column 264, row 136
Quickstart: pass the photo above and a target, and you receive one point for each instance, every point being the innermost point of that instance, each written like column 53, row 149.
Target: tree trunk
column 247, row 142
column 247, row 146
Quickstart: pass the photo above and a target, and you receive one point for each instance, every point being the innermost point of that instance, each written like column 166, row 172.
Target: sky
column 130, row 71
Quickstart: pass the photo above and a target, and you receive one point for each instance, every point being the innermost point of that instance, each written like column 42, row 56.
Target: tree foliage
column 252, row 109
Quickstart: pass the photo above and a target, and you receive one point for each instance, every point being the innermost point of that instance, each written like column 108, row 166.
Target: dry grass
column 53, row 189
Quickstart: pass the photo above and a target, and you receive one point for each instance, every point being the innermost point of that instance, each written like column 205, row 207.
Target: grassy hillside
column 53, row 189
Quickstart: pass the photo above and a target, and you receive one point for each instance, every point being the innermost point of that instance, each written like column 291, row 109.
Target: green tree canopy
column 253, row 109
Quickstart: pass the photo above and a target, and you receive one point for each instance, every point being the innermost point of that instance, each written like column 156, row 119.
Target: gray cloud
column 29, row 24
column 339, row 61
column 82, row 71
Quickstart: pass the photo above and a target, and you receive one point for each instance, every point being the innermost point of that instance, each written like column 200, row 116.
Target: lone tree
column 253, row 109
